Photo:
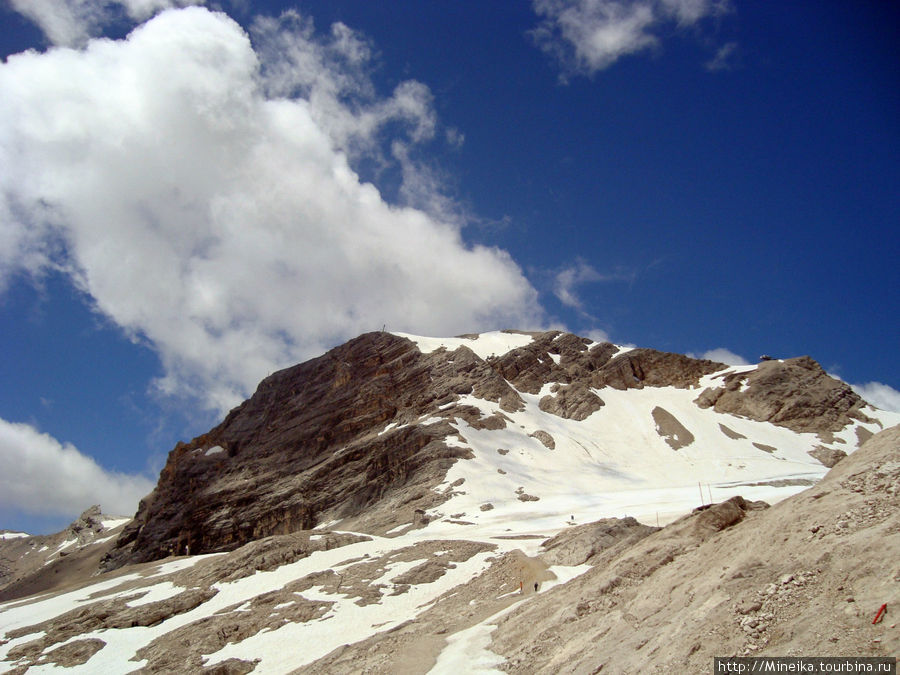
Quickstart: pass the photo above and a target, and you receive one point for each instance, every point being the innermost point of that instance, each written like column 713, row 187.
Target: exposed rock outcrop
column 41, row 563
column 650, row 368
column 794, row 393
column 828, row 456
column 87, row 526
column 528, row 368
column 719, row 516
column 574, row 401
column 670, row 429
column 580, row 544
column 544, row 438
column 311, row 443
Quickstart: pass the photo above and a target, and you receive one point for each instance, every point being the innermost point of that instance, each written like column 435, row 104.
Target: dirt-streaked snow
column 356, row 622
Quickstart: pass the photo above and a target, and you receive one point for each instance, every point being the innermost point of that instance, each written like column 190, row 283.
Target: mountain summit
column 393, row 431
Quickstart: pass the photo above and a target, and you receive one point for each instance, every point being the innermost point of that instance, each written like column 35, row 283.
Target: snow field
column 467, row 651
column 314, row 639
column 36, row 609
column 494, row 343
column 593, row 473
column 121, row 643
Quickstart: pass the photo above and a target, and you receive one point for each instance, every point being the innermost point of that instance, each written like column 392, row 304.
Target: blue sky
column 194, row 196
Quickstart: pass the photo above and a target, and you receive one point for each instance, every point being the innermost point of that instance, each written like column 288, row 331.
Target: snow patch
column 113, row 523
column 485, row 345
column 326, row 525
column 181, row 564
column 392, row 426
column 564, row 574
column 399, row 528
column 468, row 652
column 161, row 591
column 97, row 542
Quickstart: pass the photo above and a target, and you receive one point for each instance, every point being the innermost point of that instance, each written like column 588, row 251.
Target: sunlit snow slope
column 617, row 462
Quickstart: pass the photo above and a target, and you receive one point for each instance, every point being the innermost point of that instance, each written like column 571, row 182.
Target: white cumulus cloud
column 569, row 278
column 721, row 355
column 880, row 395
column 590, row 35
column 40, row 475
column 597, row 335
column 199, row 188
column 73, row 22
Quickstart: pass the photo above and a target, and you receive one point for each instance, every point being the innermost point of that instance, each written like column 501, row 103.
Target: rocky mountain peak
column 87, row 526
column 35, row 563
column 367, row 433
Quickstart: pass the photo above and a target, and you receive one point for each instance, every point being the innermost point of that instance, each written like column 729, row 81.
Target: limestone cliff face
column 307, row 442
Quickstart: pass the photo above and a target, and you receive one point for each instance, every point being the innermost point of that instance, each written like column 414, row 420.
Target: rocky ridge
column 794, row 393
column 32, row 564
column 364, row 433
